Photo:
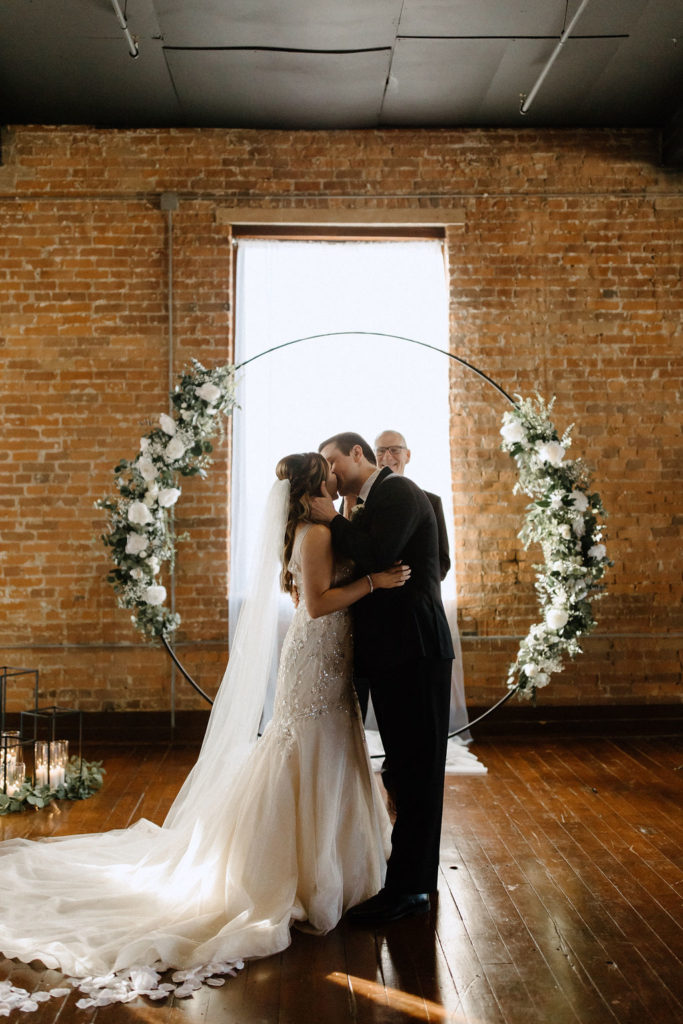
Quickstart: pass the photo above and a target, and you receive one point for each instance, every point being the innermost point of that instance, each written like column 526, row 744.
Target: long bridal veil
column 101, row 902
column 236, row 714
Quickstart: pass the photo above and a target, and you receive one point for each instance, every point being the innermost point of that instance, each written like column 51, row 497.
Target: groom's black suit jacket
column 396, row 522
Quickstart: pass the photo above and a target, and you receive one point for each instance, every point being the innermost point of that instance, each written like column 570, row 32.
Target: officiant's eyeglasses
column 393, row 450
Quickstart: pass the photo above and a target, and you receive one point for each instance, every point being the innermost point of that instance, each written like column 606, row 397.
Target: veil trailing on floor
column 101, row 902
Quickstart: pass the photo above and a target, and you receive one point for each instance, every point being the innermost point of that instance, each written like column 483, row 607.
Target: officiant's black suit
column 402, row 645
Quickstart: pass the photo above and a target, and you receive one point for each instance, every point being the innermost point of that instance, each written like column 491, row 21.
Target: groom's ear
column 357, row 453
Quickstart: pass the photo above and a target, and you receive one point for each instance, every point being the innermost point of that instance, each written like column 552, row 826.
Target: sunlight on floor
column 409, row 1005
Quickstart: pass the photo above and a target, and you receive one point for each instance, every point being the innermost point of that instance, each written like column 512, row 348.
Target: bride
column 287, row 830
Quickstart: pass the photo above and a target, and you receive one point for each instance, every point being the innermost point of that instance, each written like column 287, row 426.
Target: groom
column 402, row 645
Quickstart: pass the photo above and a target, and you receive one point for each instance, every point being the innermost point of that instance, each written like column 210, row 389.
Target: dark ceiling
column 344, row 63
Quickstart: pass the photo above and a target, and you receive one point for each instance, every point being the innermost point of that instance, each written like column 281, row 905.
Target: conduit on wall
column 169, row 203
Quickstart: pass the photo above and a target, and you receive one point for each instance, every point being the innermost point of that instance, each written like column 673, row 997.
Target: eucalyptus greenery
column 141, row 531
column 81, row 780
column 566, row 519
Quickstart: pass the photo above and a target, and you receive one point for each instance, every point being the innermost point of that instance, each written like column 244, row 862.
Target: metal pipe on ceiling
column 133, row 48
column 528, row 100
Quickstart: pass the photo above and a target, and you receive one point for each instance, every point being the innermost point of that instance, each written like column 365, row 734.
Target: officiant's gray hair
column 348, row 440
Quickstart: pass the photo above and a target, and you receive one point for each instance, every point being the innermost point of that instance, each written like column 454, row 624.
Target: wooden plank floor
column 559, row 900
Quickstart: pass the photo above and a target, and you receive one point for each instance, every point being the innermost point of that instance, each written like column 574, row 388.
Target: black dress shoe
column 389, row 906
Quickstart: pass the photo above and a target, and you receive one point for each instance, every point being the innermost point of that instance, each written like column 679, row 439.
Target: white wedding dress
column 296, row 834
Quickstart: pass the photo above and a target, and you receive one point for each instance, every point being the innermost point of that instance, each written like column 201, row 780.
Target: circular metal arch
column 411, row 341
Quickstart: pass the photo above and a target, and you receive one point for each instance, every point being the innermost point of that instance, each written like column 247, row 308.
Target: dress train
column 298, row 835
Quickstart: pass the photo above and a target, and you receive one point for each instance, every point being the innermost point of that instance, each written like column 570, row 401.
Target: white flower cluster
column 141, row 530
column 566, row 521
column 122, row 987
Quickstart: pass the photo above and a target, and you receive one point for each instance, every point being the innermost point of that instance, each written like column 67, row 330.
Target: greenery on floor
column 82, row 779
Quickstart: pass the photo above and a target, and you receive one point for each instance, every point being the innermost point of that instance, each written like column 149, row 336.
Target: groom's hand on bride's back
column 322, row 509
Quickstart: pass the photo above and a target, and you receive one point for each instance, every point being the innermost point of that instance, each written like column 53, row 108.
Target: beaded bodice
column 315, row 673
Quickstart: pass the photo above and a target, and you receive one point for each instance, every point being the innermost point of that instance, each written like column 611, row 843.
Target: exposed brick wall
column 565, row 277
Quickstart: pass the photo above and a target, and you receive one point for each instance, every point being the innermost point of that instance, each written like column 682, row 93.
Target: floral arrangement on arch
column 141, row 535
column 566, row 519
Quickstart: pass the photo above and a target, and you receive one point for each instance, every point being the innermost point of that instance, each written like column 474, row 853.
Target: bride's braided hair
column 306, row 473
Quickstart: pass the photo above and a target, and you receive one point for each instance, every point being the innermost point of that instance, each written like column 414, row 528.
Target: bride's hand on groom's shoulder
column 322, row 509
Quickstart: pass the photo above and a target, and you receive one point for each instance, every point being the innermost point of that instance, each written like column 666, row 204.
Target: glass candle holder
column 41, row 752
column 59, row 758
column 16, row 776
column 9, row 742
column 10, row 749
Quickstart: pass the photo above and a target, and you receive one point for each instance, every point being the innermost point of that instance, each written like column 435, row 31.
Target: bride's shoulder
column 317, row 533
column 314, row 537
column 308, row 537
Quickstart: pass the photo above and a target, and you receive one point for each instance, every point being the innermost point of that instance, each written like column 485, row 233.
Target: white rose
column 578, row 526
column 557, row 618
column 154, row 564
column 146, row 468
column 155, row 594
column 512, row 431
column 531, row 670
column 167, row 424
column 541, row 679
column 551, row 452
column 139, row 514
column 168, row 496
column 598, row 551
column 186, row 414
column 151, row 495
column 579, row 501
column 136, row 544
column 137, row 574
column 209, row 392
column 556, row 499
column 565, row 531
column 174, row 450
column 144, row 444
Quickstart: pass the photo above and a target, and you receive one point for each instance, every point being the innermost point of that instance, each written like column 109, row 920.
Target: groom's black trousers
column 411, row 702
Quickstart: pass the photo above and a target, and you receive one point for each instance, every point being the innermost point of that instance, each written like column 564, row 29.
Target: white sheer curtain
column 293, row 399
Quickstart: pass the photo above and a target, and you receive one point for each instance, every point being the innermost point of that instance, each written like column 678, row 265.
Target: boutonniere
column 357, row 510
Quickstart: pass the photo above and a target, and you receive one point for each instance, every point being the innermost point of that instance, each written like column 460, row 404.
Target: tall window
column 293, row 399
